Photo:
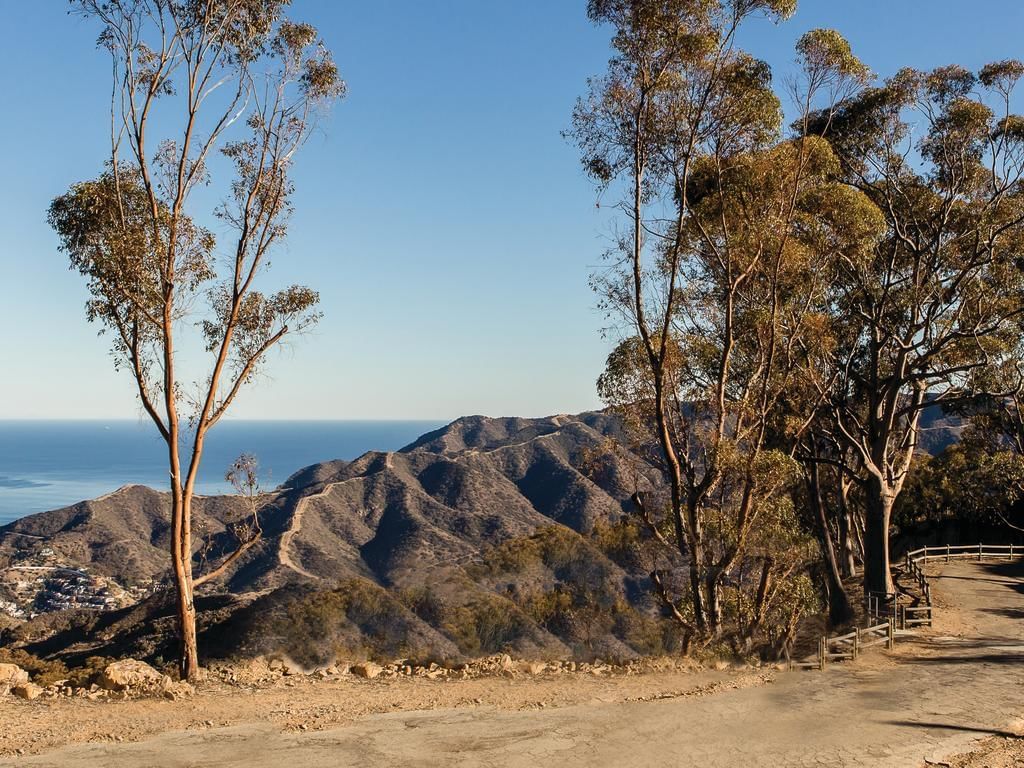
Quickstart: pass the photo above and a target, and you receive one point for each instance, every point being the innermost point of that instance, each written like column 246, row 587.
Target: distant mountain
column 421, row 535
column 487, row 534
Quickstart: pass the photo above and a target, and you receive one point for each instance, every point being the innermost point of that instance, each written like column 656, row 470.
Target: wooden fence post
column 891, row 634
column 856, row 642
column 947, row 553
column 980, row 545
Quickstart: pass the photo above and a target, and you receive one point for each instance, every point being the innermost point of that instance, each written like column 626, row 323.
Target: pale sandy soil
column 937, row 695
column 999, row 752
column 301, row 703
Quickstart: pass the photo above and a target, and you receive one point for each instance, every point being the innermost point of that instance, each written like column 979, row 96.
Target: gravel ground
column 941, row 693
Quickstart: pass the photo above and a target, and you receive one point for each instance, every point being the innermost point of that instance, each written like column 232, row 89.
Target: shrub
column 42, row 671
column 314, row 627
column 622, row 542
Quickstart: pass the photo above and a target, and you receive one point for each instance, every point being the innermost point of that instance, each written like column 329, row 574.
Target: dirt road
column 933, row 697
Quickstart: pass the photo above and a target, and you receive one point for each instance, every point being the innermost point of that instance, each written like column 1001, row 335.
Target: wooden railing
column 849, row 646
column 949, row 552
column 895, row 611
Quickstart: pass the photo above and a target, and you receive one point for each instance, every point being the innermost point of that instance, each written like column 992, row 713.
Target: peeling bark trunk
column 877, row 571
column 181, row 560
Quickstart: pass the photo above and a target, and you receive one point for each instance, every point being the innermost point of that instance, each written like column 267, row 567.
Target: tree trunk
column 687, row 532
column 847, row 563
column 697, row 595
column 878, row 510
column 760, row 604
column 714, row 603
column 839, row 609
column 181, row 559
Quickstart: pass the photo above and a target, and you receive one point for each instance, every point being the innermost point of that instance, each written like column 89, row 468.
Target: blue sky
column 440, row 212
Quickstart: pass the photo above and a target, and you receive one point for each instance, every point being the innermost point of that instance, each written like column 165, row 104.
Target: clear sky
column 440, row 213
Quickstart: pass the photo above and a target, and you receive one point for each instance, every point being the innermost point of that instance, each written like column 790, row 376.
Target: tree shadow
column 954, row 727
column 1009, row 613
column 981, row 658
column 1008, row 569
column 947, row 577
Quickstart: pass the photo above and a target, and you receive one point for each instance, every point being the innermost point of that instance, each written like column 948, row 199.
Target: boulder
column 369, row 670
column 10, row 676
column 130, row 673
column 27, row 691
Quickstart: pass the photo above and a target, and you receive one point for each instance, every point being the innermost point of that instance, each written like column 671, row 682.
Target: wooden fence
column 849, row 646
column 895, row 611
column 949, row 552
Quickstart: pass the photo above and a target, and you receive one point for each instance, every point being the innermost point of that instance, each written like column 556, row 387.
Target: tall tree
column 712, row 276
column 191, row 77
column 925, row 314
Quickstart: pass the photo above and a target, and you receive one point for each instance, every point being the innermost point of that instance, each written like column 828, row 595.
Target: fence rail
column 964, row 551
column 898, row 611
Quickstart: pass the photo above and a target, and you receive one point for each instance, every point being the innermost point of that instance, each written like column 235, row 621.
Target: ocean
column 47, row 465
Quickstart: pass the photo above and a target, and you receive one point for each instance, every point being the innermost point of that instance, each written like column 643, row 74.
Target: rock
column 27, row 691
column 178, row 690
column 532, row 667
column 130, row 673
column 10, row 676
column 369, row 670
column 258, row 665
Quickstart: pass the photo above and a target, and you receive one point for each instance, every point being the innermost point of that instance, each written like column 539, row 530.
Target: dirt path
column 283, row 549
column 933, row 697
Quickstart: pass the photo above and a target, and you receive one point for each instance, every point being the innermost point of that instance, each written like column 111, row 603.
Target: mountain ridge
column 423, row 519
column 486, row 534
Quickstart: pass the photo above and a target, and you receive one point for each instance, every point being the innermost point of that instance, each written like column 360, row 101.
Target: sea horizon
column 48, row 464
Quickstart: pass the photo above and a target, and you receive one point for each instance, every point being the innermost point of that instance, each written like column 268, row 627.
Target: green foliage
column 490, row 624
column 486, row 623
column 624, row 542
column 555, row 547
column 42, row 671
column 579, row 598
column 357, row 618
column 48, row 671
column 965, row 482
column 108, row 230
column 823, row 50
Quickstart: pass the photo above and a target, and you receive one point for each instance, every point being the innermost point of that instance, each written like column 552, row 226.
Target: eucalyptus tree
column 925, row 315
column 712, row 279
column 206, row 95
